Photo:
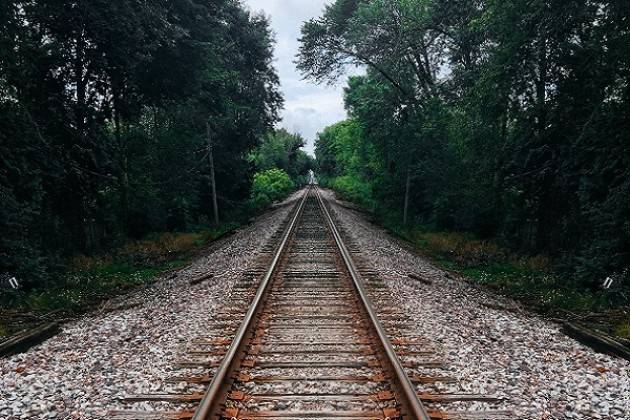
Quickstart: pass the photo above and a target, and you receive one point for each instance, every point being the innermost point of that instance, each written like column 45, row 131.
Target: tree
column 283, row 150
column 401, row 43
column 104, row 139
column 501, row 118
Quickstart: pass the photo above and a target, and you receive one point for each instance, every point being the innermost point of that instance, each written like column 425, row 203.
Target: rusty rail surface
column 213, row 405
column 404, row 384
column 209, row 401
column 313, row 336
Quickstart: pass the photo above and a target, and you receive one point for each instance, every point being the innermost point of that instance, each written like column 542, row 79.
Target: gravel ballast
column 540, row 372
column 106, row 355
column 130, row 347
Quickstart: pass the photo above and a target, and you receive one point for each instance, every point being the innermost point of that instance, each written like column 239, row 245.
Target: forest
column 501, row 121
column 507, row 121
column 315, row 209
column 120, row 119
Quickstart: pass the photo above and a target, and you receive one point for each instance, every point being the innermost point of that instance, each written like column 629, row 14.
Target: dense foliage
column 281, row 165
column 282, row 150
column 507, row 119
column 111, row 115
column 269, row 186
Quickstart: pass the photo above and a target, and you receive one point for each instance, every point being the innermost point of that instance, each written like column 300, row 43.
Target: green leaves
column 506, row 117
column 103, row 124
column 269, row 186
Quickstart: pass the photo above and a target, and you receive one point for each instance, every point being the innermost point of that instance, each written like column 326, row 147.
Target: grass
column 531, row 280
column 90, row 280
column 543, row 290
column 83, row 289
column 623, row 330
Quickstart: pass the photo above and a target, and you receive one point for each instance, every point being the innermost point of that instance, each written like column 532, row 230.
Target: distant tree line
column 283, row 150
column 509, row 119
column 112, row 114
column 281, row 165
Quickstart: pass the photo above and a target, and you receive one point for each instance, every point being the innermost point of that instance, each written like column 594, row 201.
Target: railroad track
column 310, row 343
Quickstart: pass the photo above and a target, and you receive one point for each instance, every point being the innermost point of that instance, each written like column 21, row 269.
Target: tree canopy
column 507, row 119
column 282, row 150
column 105, row 112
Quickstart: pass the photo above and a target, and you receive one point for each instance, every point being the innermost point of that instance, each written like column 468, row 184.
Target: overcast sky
column 308, row 107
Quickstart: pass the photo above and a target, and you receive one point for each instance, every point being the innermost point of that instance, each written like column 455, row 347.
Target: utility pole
column 213, row 185
column 407, row 192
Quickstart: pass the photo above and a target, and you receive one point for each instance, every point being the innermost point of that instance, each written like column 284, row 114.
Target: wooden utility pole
column 407, row 191
column 213, row 185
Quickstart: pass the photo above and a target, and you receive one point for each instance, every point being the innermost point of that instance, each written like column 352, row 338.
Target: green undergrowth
column 353, row 190
column 532, row 280
column 623, row 330
column 85, row 282
column 90, row 280
column 270, row 186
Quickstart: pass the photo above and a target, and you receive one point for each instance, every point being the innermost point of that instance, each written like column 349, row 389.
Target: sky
column 309, row 108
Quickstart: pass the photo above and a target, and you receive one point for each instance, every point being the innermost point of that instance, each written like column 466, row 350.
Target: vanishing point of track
column 311, row 317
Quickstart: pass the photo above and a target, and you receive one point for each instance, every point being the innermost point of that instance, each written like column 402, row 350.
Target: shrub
column 623, row 330
column 155, row 250
column 269, row 186
column 158, row 249
column 466, row 252
column 355, row 190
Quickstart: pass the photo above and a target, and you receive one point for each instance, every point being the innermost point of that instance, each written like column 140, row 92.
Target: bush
column 355, row 190
column 465, row 251
column 269, row 186
column 155, row 250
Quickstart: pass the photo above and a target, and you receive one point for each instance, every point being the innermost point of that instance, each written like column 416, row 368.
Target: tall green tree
column 106, row 107
column 283, row 150
column 506, row 118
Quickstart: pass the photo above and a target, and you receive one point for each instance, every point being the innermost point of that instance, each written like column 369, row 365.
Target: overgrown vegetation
column 506, row 120
column 282, row 150
column 269, row 186
column 532, row 280
column 281, row 164
column 89, row 280
column 121, row 118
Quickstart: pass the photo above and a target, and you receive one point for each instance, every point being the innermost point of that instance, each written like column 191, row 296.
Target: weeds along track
column 301, row 339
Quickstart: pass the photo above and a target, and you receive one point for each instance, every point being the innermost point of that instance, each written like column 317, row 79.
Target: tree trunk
column 125, row 191
column 407, row 191
column 89, row 236
column 213, row 186
column 80, row 79
column 124, row 165
column 541, row 86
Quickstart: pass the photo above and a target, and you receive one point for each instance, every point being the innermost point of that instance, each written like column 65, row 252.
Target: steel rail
column 208, row 403
column 405, row 385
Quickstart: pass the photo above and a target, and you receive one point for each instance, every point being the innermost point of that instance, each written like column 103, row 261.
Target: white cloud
column 309, row 108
